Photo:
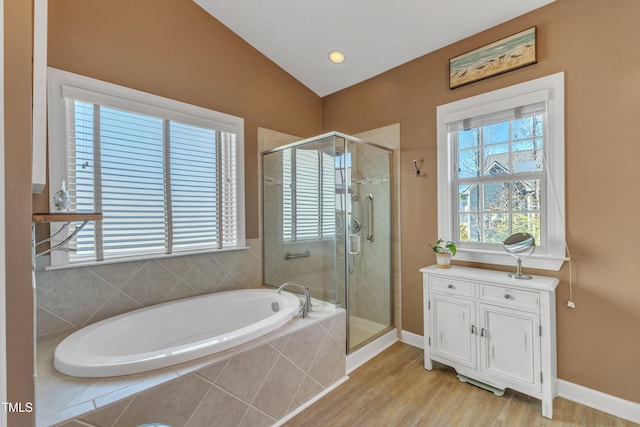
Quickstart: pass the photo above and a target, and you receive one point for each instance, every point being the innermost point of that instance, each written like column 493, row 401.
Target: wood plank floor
column 394, row 389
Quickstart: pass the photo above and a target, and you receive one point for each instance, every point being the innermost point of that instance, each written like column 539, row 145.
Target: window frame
column 116, row 96
column 550, row 89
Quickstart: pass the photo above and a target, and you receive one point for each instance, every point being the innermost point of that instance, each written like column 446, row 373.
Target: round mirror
column 520, row 245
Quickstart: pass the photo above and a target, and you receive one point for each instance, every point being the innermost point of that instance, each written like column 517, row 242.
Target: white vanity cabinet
column 493, row 329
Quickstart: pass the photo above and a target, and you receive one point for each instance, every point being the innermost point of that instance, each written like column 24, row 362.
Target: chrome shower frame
column 367, row 225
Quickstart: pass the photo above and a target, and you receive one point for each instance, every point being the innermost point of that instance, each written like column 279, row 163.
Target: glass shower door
column 369, row 242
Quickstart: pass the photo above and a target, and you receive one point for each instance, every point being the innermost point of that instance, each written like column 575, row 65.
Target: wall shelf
column 68, row 217
column 44, row 217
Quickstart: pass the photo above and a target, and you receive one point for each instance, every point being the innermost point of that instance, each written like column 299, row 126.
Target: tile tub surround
column 70, row 298
column 255, row 384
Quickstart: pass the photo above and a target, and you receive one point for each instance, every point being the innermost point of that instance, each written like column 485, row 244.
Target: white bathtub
column 174, row 332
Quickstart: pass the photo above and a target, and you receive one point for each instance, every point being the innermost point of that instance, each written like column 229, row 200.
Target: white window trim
column 551, row 87
column 123, row 97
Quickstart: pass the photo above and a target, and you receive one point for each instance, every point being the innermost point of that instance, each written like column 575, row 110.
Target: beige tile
column 330, row 357
column 63, row 415
column 303, row 345
column 245, row 372
column 151, row 284
column 53, row 394
column 129, row 385
column 118, row 304
column 49, row 324
column 338, row 330
column 182, row 290
column 280, row 342
column 47, row 280
column 308, row 389
column 171, row 403
column 105, row 417
column 228, row 259
column 229, row 283
column 255, row 418
column 117, row 274
column 78, row 297
column 74, row 423
column 205, row 275
column 279, row 389
column 247, row 269
column 179, row 265
column 212, row 372
column 219, row 409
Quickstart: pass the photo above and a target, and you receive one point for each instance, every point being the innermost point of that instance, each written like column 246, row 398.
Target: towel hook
column 417, row 172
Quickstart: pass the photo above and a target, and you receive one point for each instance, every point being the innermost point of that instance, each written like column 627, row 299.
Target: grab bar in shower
column 368, row 217
column 304, row 254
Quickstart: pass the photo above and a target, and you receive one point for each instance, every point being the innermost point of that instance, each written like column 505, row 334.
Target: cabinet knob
column 507, row 296
column 450, row 286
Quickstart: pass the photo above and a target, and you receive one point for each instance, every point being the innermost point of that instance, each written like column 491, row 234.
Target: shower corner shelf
column 68, row 217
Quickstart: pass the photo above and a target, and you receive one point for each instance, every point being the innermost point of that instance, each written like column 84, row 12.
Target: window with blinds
column 501, row 171
column 309, row 195
column 166, row 180
column 499, row 174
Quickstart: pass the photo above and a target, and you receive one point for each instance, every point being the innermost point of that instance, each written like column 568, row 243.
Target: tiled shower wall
column 71, row 298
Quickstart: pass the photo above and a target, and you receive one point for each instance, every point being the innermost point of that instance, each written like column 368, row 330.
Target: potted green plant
column 444, row 251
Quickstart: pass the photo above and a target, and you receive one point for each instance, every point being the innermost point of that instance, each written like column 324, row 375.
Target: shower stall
column 326, row 209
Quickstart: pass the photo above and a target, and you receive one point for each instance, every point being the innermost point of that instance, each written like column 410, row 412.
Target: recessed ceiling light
column 336, row 57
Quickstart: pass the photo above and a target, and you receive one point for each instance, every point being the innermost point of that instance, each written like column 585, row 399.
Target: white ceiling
column 375, row 35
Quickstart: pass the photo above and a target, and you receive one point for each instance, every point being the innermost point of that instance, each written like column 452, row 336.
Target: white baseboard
column 601, row 401
column 585, row 396
column 369, row 351
column 412, row 339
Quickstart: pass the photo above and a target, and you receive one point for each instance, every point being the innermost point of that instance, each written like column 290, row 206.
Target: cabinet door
column 510, row 345
column 451, row 331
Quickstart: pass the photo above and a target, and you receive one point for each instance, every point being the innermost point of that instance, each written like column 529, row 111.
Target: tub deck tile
column 61, row 399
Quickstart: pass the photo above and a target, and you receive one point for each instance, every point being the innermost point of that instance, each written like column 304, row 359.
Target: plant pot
column 444, row 260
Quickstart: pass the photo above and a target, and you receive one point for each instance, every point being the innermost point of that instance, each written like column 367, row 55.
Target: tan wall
column 595, row 43
column 175, row 49
column 171, row 48
column 18, row 39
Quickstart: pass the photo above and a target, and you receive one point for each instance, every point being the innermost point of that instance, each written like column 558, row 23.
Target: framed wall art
column 507, row 54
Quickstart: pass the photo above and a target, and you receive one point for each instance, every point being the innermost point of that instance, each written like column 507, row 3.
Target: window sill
column 137, row 258
column 541, row 261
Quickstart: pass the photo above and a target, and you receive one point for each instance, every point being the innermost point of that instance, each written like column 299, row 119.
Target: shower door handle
column 368, row 217
column 354, row 244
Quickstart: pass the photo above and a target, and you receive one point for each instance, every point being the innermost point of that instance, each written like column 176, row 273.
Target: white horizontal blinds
column 288, row 195
column 80, row 167
column 194, row 195
column 499, row 173
column 308, row 194
column 132, row 163
column 162, row 185
column 328, row 195
column 229, row 188
column 308, row 190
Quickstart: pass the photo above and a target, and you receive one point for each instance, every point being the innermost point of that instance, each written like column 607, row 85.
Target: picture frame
column 507, row 54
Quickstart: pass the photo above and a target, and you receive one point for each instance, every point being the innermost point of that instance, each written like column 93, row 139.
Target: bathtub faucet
column 306, row 307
